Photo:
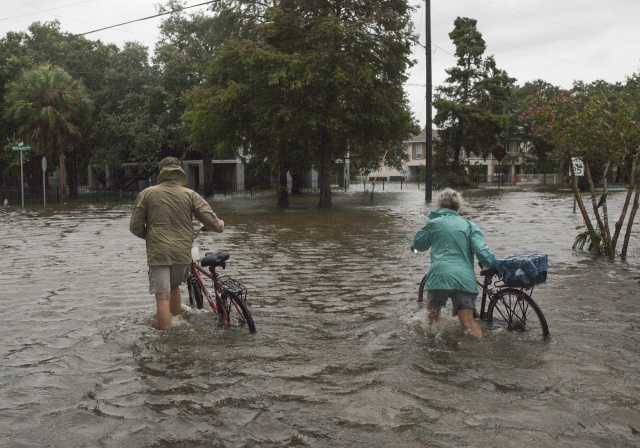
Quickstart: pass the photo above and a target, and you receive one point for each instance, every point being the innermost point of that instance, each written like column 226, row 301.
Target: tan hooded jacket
column 163, row 215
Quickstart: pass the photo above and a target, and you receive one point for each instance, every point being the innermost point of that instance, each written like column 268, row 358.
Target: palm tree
column 50, row 108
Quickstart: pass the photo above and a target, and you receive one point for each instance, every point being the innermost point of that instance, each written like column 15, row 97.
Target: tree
column 535, row 150
column 129, row 110
column 603, row 135
column 321, row 76
column 472, row 105
column 51, row 110
column 87, row 61
column 186, row 45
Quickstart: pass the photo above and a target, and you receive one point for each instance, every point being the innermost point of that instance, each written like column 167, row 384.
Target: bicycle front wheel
column 237, row 310
column 514, row 310
column 195, row 292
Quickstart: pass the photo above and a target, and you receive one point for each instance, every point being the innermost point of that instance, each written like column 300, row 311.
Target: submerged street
column 341, row 357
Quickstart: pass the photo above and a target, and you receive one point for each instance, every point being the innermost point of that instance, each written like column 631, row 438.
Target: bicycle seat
column 489, row 272
column 215, row 259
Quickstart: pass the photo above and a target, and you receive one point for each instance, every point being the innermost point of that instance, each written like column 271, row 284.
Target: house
column 416, row 150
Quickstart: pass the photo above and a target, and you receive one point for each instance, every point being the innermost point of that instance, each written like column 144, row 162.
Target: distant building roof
column 422, row 137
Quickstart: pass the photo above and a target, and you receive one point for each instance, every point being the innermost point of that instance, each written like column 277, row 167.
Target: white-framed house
column 416, row 150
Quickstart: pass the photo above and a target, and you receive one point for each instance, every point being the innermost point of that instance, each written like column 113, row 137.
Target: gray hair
column 449, row 198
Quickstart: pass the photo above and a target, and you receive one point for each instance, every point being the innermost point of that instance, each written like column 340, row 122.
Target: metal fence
column 34, row 196
column 519, row 180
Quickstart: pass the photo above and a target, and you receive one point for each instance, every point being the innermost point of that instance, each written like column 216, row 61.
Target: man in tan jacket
column 163, row 217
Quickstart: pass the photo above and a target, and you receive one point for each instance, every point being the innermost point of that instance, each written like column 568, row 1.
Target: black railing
column 35, row 196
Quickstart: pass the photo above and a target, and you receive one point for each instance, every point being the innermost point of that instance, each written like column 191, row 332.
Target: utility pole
column 428, row 182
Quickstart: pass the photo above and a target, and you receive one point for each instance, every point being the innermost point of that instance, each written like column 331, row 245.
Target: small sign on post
column 21, row 148
column 578, row 166
column 499, row 153
column 578, row 170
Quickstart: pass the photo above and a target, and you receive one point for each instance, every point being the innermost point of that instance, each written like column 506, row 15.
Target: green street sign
column 21, row 148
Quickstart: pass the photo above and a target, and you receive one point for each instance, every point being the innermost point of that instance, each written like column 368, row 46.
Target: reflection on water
column 342, row 357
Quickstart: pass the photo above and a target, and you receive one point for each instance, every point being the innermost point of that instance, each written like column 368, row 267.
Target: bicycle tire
column 237, row 310
column 195, row 292
column 421, row 289
column 515, row 310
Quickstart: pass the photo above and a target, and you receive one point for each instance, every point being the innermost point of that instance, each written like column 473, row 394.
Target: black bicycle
column 506, row 308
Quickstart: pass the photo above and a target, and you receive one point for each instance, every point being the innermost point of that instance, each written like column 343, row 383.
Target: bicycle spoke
column 514, row 310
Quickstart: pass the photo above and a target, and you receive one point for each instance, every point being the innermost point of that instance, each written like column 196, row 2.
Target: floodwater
column 341, row 357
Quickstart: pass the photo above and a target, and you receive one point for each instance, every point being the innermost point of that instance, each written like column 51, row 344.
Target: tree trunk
column 283, row 191
column 324, row 182
column 603, row 225
column 73, row 176
column 62, row 186
column 625, row 207
column 583, row 211
column 632, row 217
column 207, row 162
column 283, row 168
column 296, row 183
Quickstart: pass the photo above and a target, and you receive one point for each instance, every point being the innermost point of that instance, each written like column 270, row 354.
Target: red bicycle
column 225, row 295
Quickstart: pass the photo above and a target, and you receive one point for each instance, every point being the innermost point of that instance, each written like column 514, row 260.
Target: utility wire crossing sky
column 559, row 42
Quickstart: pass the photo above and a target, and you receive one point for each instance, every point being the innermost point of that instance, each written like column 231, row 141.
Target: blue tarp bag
column 523, row 270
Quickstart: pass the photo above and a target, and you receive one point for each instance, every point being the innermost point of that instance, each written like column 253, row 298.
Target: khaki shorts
column 163, row 278
column 459, row 299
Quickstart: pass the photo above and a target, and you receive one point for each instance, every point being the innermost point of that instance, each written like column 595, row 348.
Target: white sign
column 578, row 166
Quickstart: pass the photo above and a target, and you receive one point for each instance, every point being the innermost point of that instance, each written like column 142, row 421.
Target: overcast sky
column 559, row 41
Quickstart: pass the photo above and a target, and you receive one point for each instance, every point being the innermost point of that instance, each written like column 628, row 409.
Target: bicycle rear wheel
column 195, row 292
column 421, row 290
column 514, row 310
column 237, row 310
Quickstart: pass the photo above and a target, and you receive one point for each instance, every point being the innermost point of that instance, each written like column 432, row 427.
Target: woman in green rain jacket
column 453, row 241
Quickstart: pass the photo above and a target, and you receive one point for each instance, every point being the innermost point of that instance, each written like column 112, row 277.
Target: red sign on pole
column 499, row 153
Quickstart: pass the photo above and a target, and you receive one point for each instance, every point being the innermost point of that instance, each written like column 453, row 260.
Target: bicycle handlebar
column 197, row 231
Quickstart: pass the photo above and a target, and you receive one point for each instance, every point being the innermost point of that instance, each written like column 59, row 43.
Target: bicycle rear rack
column 232, row 285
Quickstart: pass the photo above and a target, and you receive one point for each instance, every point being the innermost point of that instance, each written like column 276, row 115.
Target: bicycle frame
column 216, row 301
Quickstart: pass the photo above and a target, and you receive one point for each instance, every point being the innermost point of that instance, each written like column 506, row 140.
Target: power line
column 145, row 18
column 542, row 54
column 561, row 24
column 44, row 10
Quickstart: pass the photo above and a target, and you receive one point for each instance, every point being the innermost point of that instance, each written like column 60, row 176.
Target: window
column 418, row 150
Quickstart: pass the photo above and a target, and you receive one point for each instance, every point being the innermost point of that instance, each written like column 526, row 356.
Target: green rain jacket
column 453, row 241
column 163, row 215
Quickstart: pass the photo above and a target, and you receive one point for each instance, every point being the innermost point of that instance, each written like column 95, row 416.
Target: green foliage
column 51, row 110
column 597, row 245
column 312, row 84
column 536, row 151
column 472, row 104
column 599, row 124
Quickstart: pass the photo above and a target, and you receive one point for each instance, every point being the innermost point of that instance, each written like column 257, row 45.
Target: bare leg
column 176, row 301
column 163, row 310
column 433, row 313
column 469, row 323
